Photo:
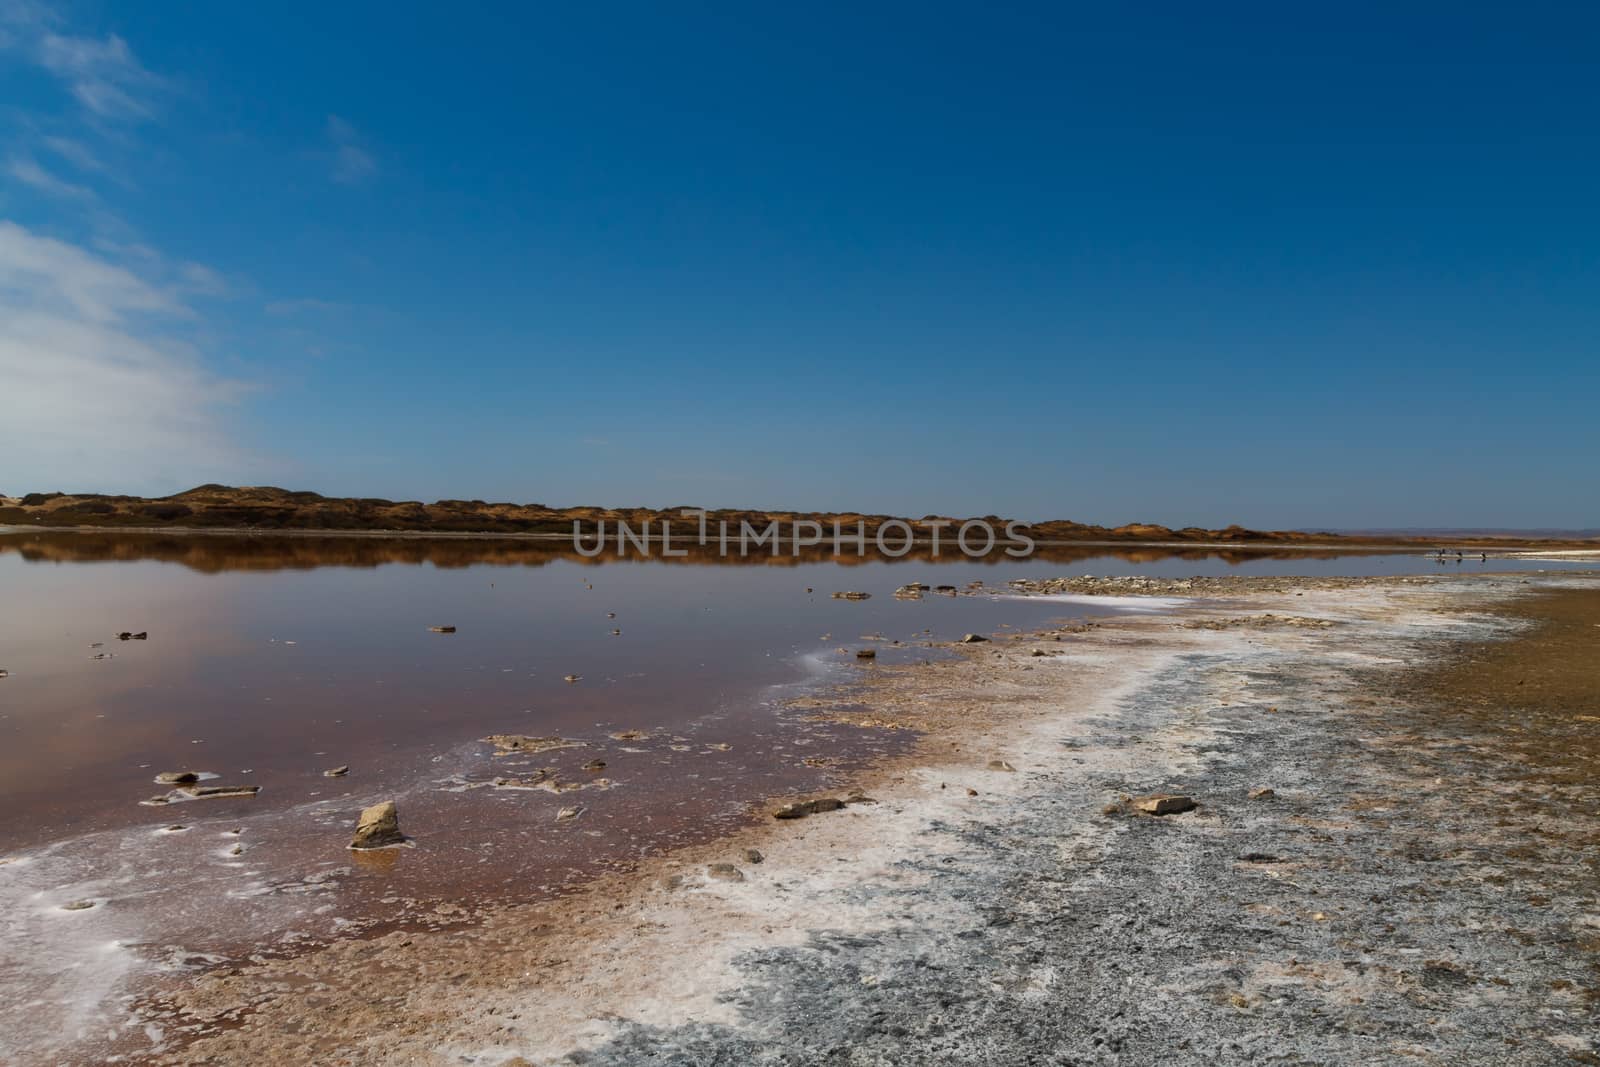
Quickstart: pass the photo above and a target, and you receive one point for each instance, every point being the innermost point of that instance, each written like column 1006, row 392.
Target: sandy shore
column 1416, row 888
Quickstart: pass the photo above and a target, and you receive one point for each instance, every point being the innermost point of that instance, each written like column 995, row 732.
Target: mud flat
column 1395, row 858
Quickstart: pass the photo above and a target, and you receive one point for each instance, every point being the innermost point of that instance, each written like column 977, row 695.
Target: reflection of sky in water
column 285, row 671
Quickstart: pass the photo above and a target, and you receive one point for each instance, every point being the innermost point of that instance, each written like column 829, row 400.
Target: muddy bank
column 1406, row 893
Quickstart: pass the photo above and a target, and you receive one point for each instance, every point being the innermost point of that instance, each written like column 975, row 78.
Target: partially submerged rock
column 177, row 778
column 378, row 827
column 1165, row 804
column 569, row 813
column 442, row 629
column 524, row 743
column 78, row 905
column 1262, row 794
column 866, row 653
column 754, row 855
column 852, row 595
column 337, row 772
column 595, row 766
column 801, row 808
column 1000, row 765
column 571, row 678
column 202, row 792
column 973, row 639
column 724, row 872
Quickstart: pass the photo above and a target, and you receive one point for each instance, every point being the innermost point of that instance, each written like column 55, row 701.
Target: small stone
column 78, row 905
column 866, row 653
column 569, row 813
column 378, row 826
column 971, row 792
column 176, row 828
column 852, row 595
column 236, row 850
column 754, row 855
column 595, row 766
column 442, row 629
column 177, row 778
column 800, row 809
column 1165, row 804
column 1000, row 765
column 1262, row 794
column 725, row 872
column 337, row 772
column 973, row 639
column 571, row 678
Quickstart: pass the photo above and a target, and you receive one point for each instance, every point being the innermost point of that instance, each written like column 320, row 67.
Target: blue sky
column 1171, row 263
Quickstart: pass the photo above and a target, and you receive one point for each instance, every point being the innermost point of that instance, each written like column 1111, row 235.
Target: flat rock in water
column 524, row 743
column 852, row 595
column 725, row 872
column 337, row 772
column 1262, row 794
column 442, row 629
column 801, row 808
column 1165, row 804
column 973, row 639
column 203, row 792
column 378, row 826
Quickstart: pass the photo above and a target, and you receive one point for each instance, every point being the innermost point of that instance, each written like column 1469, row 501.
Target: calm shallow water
column 271, row 659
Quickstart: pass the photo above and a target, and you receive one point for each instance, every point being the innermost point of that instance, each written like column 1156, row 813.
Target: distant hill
column 1449, row 532
column 267, row 508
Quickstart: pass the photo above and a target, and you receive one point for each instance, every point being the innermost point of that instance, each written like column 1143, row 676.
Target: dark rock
column 973, row 639
column 801, row 808
column 177, row 778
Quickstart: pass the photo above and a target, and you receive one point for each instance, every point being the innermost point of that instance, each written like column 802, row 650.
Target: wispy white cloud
column 104, row 75
column 27, row 170
column 101, row 387
column 352, row 163
column 76, row 153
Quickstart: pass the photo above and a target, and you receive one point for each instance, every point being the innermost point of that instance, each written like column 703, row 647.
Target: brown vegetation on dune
column 267, row 508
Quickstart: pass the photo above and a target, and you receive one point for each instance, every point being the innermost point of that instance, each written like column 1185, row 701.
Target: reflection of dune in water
column 215, row 553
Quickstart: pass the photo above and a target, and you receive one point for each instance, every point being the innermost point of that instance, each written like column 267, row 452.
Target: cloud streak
column 103, row 75
column 28, row 171
column 101, row 389
column 352, row 163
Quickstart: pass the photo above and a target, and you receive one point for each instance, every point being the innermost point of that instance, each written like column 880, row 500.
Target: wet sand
column 1419, row 887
